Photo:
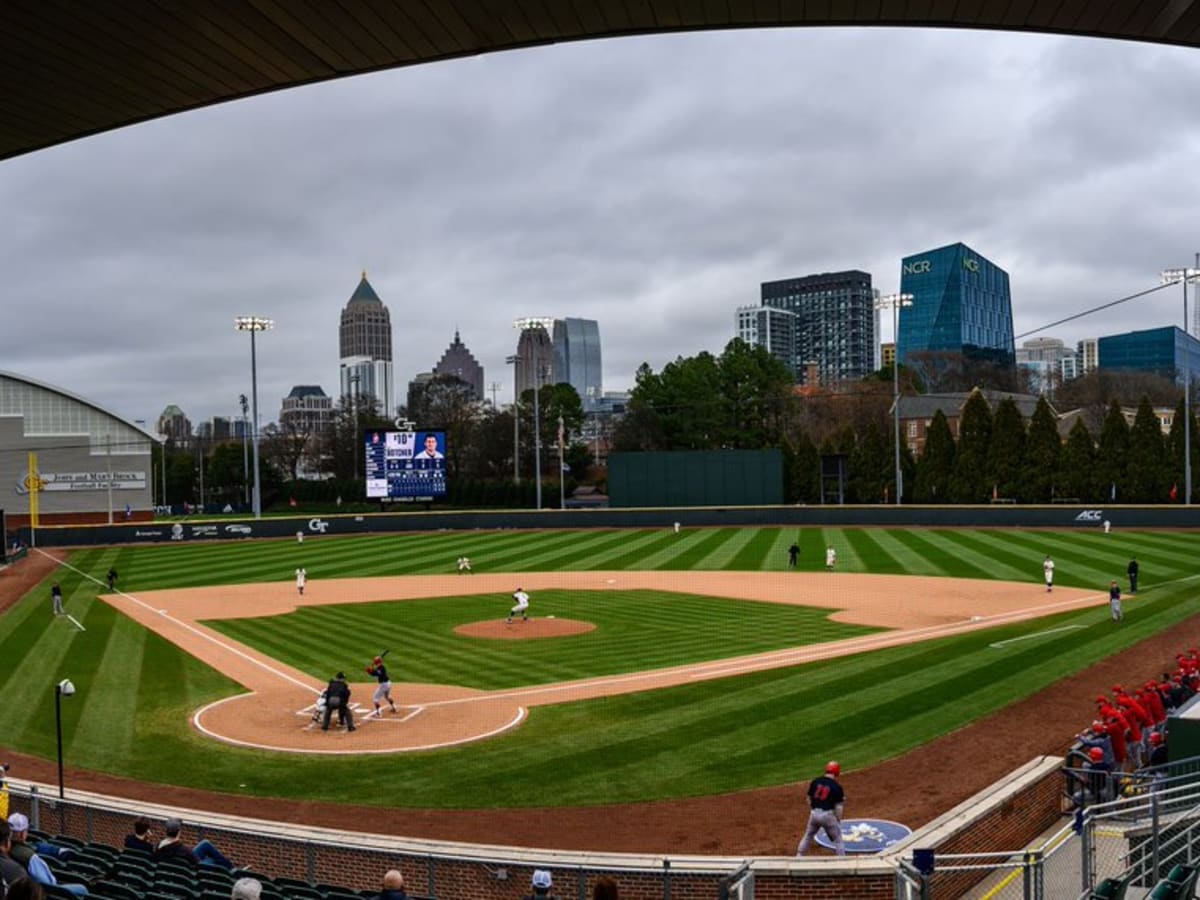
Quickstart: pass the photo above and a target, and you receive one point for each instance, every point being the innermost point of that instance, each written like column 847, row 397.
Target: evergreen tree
column 801, row 470
column 969, row 483
column 1175, row 452
column 1006, row 450
column 1146, row 469
column 1078, row 477
column 870, row 467
column 936, row 465
column 1113, row 455
column 1040, row 462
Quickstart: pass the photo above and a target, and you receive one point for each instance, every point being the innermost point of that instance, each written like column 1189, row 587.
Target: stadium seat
column 63, row 840
column 57, row 892
column 1112, row 888
column 114, row 890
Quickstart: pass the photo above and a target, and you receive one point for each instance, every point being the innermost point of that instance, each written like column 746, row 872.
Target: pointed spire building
column 459, row 362
column 365, row 348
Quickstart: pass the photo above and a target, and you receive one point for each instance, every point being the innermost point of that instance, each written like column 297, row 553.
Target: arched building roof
column 53, row 411
column 76, row 69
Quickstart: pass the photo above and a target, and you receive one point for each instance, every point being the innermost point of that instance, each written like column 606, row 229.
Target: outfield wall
column 999, row 516
column 1004, row 817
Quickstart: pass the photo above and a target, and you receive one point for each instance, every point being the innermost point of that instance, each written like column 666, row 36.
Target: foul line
column 1025, row 637
column 191, row 629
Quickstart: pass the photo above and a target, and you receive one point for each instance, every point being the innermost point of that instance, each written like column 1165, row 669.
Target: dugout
column 696, row 478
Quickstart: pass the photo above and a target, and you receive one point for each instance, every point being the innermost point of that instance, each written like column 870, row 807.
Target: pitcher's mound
column 536, row 627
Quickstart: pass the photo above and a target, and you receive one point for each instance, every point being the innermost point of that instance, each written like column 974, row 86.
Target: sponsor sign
column 867, row 835
column 238, row 529
column 917, row 267
column 1090, row 515
column 208, row 531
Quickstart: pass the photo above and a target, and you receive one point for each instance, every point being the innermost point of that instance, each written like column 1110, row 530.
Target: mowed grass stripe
column 883, row 553
column 993, row 556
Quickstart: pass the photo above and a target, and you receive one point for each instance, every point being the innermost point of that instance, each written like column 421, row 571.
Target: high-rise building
column 365, row 348
column 1167, row 351
column 834, row 326
column 308, row 408
column 1088, row 353
column 772, row 329
column 458, row 361
column 961, row 304
column 577, row 358
column 534, row 360
column 175, row 426
column 1042, row 358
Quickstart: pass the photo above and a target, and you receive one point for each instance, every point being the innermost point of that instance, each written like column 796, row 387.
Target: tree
column 285, row 445
column 343, row 452
column 1006, row 451
column 1175, row 451
column 1077, row 476
column 223, row 474
column 553, row 401
column 1111, row 461
column 1040, row 461
column 969, row 483
column 1147, row 474
column 871, row 474
column 801, row 470
column 936, row 465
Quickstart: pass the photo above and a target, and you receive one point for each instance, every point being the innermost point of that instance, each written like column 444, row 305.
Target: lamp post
column 894, row 302
column 63, row 689
column 1183, row 276
column 562, row 478
column 537, row 434
column 244, row 403
column 515, row 362
column 254, row 324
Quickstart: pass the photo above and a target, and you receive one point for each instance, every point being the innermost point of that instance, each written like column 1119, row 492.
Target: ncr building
column 961, row 304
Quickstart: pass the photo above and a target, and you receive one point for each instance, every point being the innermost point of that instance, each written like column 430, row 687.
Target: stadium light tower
column 894, row 302
column 1183, row 276
column 254, row 324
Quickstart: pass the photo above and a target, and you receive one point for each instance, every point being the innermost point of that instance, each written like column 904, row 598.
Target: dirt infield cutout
column 276, row 713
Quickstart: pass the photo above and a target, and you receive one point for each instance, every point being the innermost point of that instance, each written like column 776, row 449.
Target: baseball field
column 609, row 607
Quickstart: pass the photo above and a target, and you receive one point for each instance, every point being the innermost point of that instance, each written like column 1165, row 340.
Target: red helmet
column 1155, row 738
column 833, row 768
column 1096, row 754
column 378, row 660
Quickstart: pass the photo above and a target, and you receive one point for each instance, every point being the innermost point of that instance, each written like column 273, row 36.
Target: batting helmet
column 377, row 660
column 1096, row 754
column 1155, row 738
column 833, row 768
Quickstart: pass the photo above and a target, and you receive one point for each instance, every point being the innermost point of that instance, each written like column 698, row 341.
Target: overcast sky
column 648, row 183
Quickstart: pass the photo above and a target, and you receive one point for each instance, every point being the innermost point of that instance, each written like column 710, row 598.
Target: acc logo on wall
column 867, row 835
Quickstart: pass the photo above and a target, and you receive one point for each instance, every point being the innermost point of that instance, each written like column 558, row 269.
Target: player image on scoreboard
column 405, row 465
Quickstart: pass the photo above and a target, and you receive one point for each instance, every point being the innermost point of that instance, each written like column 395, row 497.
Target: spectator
column 26, row 889
column 28, row 857
column 393, row 886
column 173, row 847
column 246, row 889
column 140, row 839
column 10, row 869
column 22, row 848
column 605, row 889
column 541, row 884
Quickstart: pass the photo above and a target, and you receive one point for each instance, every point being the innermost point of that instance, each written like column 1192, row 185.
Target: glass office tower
column 961, row 304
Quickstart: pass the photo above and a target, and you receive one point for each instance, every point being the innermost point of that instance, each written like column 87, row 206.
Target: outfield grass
column 135, row 690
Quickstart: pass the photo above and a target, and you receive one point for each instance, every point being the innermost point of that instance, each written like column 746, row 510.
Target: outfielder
column 522, row 607
column 464, row 565
column 301, row 580
column 383, row 691
column 830, row 558
column 1048, row 571
column 826, row 798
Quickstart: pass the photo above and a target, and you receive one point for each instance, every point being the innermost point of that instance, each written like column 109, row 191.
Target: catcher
column 383, row 691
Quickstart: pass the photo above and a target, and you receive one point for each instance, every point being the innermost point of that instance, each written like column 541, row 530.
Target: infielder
column 522, row 607
column 826, row 799
column 301, row 580
column 1048, row 571
column 1114, row 601
column 830, row 558
column 383, row 691
column 464, row 565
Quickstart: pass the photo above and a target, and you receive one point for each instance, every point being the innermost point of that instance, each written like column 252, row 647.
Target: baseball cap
column 18, row 822
column 172, row 826
column 541, row 879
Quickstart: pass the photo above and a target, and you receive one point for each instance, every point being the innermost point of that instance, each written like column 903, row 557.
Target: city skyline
column 650, row 184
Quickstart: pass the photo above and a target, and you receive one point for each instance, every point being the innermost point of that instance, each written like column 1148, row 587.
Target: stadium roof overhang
column 68, row 69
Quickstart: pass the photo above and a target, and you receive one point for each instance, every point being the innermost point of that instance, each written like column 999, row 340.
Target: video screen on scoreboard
column 405, row 465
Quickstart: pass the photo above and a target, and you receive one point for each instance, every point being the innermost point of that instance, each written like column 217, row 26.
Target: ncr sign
column 917, row 267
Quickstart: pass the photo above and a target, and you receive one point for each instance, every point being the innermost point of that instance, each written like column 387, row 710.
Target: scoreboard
column 405, row 465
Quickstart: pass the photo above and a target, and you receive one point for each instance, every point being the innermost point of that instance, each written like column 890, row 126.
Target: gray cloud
column 649, row 183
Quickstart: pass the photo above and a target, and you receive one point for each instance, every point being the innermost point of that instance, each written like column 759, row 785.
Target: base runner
column 826, row 798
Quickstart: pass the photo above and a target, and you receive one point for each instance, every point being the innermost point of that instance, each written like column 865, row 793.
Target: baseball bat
column 383, row 655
